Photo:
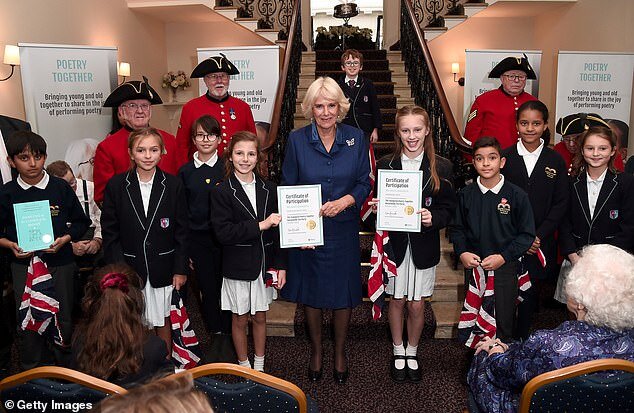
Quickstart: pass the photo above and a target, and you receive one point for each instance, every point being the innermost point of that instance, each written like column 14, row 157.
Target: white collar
column 211, row 162
column 600, row 178
column 145, row 183
column 245, row 183
column 522, row 151
column 40, row 185
column 495, row 189
column 356, row 79
column 419, row 158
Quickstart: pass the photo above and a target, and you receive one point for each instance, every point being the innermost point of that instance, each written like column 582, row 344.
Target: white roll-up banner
column 478, row 64
column 595, row 82
column 64, row 89
column 256, row 84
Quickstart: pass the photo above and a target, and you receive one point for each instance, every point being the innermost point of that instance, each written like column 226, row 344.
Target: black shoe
column 398, row 375
column 413, row 375
column 340, row 376
column 315, row 375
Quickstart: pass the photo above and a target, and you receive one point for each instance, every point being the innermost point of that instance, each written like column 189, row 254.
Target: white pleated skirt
column 411, row 282
column 241, row 297
column 157, row 304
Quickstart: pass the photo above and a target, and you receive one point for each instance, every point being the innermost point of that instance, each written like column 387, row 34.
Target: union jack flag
column 477, row 319
column 382, row 268
column 366, row 209
column 185, row 348
column 39, row 306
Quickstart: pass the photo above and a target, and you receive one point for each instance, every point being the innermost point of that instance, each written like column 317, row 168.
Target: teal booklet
column 34, row 225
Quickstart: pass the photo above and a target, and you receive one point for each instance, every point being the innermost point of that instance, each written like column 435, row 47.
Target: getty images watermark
column 48, row 406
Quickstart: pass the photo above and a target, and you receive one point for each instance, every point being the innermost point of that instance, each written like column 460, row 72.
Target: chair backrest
column 260, row 391
column 597, row 386
column 44, row 384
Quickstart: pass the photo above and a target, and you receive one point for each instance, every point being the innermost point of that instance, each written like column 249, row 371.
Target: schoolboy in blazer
column 153, row 244
column 246, row 251
column 441, row 206
column 613, row 219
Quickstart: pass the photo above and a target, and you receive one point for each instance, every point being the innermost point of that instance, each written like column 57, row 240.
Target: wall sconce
column 12, row 58
column 123, row 69
column 455, row 69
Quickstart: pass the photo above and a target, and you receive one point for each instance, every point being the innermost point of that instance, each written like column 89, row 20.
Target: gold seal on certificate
column 400, row 197
column 301, row 225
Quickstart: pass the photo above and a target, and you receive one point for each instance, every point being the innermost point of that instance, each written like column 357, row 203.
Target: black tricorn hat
column 578, row 123
column 513, row 63
column 132, row 89
column 215, row 64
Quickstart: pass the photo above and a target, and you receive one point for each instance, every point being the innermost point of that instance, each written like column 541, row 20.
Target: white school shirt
column 210, row 163
column 146, row 190
column 495, row 189
column 530, row 158
column 40, row 185
column 249, row 188
column 93, row 210
column 594, row 187
column 412, row 164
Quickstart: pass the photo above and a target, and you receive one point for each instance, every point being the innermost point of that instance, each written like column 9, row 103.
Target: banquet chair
column 604, row 385
column 45, row 384
column 249, row 390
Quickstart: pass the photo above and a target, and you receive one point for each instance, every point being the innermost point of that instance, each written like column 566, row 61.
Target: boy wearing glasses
column 199, row 176
column 493, row 112
column 133, row 100
column 364, row 112
column 233, row 114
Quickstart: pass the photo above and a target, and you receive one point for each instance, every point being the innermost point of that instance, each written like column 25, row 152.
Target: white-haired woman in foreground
column 600, row 290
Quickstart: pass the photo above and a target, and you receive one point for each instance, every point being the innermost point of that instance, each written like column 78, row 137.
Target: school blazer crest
column 155, row 244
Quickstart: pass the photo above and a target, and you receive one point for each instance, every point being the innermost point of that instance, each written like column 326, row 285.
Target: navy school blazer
column 425, row 245
column 613, row 219
column 246, row 251
column 154, row 245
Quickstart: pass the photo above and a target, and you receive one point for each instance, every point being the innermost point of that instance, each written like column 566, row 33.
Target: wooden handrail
column 281, row 86
column 456, row 136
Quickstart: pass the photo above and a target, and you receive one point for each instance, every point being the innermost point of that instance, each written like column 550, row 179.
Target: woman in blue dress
column 334, row 155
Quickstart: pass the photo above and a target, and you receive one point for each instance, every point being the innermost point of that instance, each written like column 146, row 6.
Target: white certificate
column 400, row 196
column 301, row 223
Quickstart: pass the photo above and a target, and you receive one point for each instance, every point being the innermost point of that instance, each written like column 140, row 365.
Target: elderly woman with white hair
column 600, row 290
column 334, row 155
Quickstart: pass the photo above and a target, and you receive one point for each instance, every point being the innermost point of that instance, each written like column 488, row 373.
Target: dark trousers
column 206, row 259
column 33, row 348
column 505, row 292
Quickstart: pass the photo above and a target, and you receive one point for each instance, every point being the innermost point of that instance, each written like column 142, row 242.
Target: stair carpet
column 387, row 71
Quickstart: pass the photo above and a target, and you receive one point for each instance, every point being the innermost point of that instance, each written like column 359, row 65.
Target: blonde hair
column 325, row 87
column 174, row 393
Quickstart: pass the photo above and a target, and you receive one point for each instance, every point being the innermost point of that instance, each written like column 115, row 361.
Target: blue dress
column 496, row 381
column 328, row 276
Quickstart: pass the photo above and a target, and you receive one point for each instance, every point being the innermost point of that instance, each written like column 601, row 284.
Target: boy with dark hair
column 493, row 227
column 27, row 154
column 364, row 112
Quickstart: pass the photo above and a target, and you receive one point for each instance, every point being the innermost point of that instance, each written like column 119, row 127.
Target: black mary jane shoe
column 398, row 375
column 340, row 376
column 315, row 375
column 414, row 375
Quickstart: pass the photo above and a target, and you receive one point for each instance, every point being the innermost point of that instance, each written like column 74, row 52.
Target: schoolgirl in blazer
column 441, row 205
column 246, row 251
column 612, row 221
column 155, row 245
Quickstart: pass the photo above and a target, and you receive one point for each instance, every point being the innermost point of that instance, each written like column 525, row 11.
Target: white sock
column 399, row 350
column 245, row 363
column 258, row 363
column 411, row 351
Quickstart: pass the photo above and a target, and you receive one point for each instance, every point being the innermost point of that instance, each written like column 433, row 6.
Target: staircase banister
column 281, row 86
column 456, row 136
